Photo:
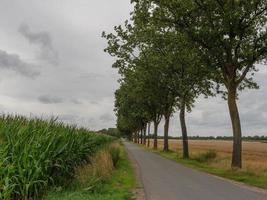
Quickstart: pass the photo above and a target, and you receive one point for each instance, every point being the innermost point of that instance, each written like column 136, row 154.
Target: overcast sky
column 52, row 63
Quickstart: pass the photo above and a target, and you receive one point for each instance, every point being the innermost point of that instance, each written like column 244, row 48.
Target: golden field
column 254, row 153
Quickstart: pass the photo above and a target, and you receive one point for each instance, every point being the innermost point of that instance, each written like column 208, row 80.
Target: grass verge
column 116, row 186
column 201, row 162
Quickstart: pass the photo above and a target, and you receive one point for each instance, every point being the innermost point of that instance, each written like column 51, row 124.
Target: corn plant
column 36, row 154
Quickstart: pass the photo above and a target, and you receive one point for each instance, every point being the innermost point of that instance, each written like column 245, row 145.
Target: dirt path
column 165, row 179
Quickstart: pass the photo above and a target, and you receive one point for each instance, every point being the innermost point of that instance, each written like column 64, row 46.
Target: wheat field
column 254, row 153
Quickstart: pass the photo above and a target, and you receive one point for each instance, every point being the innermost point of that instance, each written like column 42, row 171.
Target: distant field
column 254, row 153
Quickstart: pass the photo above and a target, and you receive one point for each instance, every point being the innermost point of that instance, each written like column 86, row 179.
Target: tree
column 136, row 58
column 131, row 116
column 183, row 71
column 231, row 36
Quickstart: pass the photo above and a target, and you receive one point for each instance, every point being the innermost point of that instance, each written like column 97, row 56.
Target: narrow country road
column 167, row 180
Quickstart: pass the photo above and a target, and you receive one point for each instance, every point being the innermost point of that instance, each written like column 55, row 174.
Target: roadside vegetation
column 108, row 176
column 37, row 155
column 172, row 52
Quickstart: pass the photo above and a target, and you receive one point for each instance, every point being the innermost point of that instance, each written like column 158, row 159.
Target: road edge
column 237, row 183
column 139, row 192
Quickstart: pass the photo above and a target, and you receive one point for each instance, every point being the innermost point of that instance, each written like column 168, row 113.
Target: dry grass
column 100, row 165
column 254, row 153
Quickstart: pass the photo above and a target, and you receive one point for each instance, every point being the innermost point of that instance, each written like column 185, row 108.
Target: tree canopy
column 172, row 51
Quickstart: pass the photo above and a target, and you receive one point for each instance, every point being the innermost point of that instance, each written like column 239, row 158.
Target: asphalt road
column 167, row 180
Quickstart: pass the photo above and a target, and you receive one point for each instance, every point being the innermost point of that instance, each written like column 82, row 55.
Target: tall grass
column 37, row 154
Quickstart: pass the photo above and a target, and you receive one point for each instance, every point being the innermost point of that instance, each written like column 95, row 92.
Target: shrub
column 205, row 157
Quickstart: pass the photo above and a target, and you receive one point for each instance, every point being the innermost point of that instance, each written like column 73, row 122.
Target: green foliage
column 171, row 52
column 115, row 155
column 37, row 154
column 116, row 187
column 111, row 131
column 206, row 157
column 230, row 35
column 160, row 70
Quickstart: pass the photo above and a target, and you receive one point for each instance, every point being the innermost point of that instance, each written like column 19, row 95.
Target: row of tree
column 172, row 51
column 197, row 137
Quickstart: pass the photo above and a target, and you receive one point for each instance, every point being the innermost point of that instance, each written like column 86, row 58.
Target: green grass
column 116, row 187
column 199, row 163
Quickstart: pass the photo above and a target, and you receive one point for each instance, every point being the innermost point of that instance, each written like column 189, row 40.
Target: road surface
column 167, row 180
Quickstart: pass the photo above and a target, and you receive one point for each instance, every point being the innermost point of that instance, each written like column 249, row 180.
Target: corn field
column 36, row 155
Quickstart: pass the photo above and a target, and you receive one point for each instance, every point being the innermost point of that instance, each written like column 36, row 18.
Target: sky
column 52, row 64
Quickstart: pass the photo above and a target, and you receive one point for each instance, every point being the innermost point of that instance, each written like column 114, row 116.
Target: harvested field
column 254, row 153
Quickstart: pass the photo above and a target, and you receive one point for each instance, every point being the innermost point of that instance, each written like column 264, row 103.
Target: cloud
column 47, row 99
column 14, row 62
column 84, row 71
column 43, row 40
column 75, row 101
column 94, row 102
column 77, row 120
column 106, row 117
column 263, row 107
column 91, row 75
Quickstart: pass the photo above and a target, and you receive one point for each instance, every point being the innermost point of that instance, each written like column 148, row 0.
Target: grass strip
column 118, row 186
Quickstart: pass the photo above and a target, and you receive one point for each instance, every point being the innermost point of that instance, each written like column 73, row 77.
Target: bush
column 205, row 157
column 36, row 154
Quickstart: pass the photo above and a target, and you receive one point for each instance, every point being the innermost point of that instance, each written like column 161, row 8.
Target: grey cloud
column 14, row 62
column 93, row 102
column 84, row 72
column 106, row 117
column 78, row 120
column 47, row 99
column 252, row 118
column 75, row 101
column 68, row 118
column 43, row 40
column 263, row 107
column 91, row 75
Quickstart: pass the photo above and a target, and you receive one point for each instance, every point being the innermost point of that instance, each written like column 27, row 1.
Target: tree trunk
column 155, row 135
column 145, row 134
column 236, row 125
column 135, row 137
column 141, row 136
column 166, row 133
column 184, row 131
column 148, row 135
column 138, row 137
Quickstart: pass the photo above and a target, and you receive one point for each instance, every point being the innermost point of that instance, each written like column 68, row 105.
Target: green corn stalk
column 36, row 154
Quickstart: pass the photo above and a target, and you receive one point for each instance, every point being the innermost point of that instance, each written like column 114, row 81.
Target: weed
column 206, row 157
column 115, row 155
